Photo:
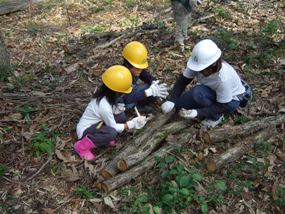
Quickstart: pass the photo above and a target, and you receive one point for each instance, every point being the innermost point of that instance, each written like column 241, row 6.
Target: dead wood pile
column 140, row 155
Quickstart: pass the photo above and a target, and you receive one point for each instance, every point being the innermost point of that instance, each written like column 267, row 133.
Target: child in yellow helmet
column 103, row 118
column 135, row 59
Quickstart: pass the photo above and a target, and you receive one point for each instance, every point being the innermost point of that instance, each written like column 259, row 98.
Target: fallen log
column 14, row 6
column 111, row 168
column 234, row 153
column 151, row 144
column 146, row 164
column 246, row 129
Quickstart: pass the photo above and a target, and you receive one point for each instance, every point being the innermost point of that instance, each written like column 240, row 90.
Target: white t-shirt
column 226, row 83
column 95, row 113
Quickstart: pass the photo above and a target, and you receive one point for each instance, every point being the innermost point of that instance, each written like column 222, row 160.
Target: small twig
column 7, row 179
column 99, row 125
column 111, row 42
column 137, row 112
column 40, row 169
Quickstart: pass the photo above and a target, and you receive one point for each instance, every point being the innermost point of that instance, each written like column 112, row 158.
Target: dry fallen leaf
column 211, row 165
column 91, row 168
column 213, row 149
column 70, row 176
column 272, row 158
column 65, row 156
column 49, row 210
column 72, row 68
column 14, row 117
column 108, row 201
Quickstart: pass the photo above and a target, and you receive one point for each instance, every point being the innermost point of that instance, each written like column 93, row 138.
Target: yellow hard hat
column 118, row 78
column 136, row 54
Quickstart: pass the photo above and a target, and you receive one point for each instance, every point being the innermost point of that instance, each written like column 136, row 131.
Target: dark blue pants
column 102, row 136
column 203, row 99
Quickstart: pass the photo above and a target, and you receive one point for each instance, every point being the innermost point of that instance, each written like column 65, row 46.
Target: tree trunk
column 111, row 168
column 233, row 132
column 151, row 144
column 147, row 164
column 4, row 55
column 234, row 153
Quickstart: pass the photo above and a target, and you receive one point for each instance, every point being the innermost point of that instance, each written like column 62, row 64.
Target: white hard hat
column 204, row 54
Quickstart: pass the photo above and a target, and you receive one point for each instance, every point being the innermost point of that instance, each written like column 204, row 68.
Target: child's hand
column 157, row 90
column 137, row 122
column 188, row 114
column 167, row 106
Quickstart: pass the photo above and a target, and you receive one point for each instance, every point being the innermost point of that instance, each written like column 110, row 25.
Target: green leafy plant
column 3, row 169
column 279, row 196
column 43, row 142
column 93, row 28
column 5, row 72
column 140, row 203
column 108, row 1
column 25, row 111
column 83, row 192
column 32, row 28
column 134, row 20
column 271, row 27
column 130, row 3
column 177, row 188
column 227, row 40
column 263, row 147
column 130, row 21
column 240, row 120
column 221, row 12
column 237, row 185
column 160, row 23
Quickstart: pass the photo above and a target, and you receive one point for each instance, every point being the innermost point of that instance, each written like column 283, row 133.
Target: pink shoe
column 83, row 147
column 112, row 143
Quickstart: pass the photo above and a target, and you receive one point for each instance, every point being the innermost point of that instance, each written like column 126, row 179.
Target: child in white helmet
column 219, row 89
column 103, row 119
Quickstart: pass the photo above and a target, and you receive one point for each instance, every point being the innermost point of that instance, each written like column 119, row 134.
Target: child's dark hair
column 104, row 91
column 127, row 64
column 215, row 67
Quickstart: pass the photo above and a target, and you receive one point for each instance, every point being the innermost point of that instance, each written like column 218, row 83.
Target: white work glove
column 119, row 108
column 167, row 106
column 188, row 114
column 157, row 90
column 195, row 2
column 137, row 122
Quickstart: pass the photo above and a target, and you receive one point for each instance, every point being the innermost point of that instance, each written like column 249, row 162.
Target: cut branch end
column 122, row 165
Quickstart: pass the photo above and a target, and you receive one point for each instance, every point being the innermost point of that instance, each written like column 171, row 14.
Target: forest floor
column 57, row 62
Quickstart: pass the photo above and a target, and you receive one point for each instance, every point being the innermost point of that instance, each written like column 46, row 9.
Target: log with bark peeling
column 249, row 128
column 111, row 168
column 146, row 164
column 151, row 144
column 234, row 153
